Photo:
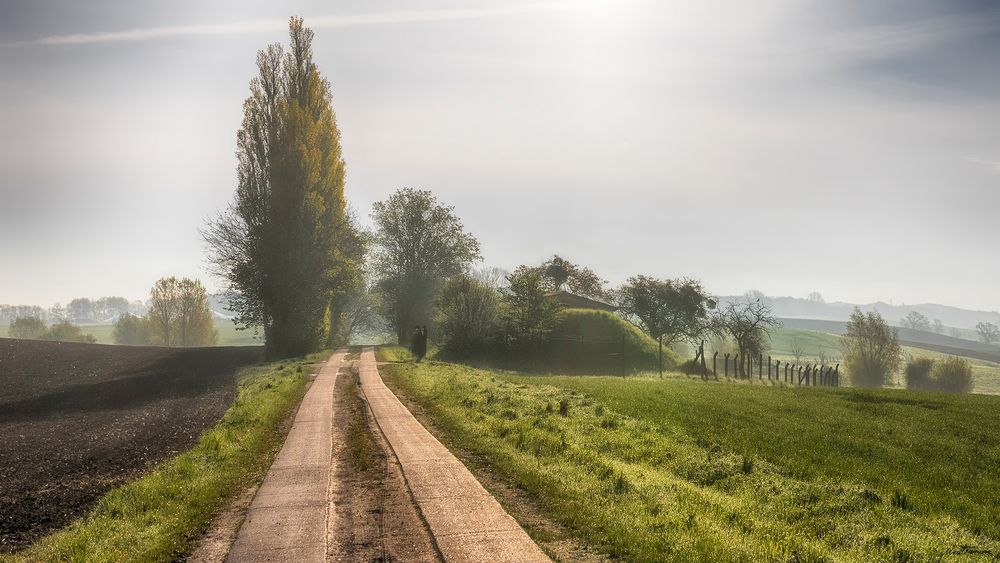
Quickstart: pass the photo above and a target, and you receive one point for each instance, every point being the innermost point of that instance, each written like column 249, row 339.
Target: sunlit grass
column 693, row 471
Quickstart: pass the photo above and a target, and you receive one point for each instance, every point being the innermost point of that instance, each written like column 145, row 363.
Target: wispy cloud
column 887, row 40
column 993, row 164
column 266, row 25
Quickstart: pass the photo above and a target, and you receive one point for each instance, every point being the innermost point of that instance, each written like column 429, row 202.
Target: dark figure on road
column 421, row 345
column 415, row 341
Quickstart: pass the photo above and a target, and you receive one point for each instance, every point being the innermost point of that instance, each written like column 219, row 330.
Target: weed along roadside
column 640, row 485
column 159, row 516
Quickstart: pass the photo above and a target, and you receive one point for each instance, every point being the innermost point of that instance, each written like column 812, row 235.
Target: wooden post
column 760, row 366
column 715, row 372
column 727, row 364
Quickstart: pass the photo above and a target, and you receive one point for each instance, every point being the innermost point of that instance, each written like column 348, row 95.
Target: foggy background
column 782, row 146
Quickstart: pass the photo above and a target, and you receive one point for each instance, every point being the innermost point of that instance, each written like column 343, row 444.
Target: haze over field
column 781, row 138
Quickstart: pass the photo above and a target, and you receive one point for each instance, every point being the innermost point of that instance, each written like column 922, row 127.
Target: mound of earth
column 79, row 419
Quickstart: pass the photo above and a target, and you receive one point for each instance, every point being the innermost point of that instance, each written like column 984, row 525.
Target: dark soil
column 79, row 419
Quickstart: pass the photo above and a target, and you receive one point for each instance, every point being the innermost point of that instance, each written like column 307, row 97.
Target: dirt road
column 360, row 479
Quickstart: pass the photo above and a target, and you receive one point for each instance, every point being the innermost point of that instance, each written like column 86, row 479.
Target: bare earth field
column 79, row 419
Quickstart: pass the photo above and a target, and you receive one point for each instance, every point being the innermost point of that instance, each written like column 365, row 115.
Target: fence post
column 727, row 364
column 836, row 376
column 715, row 372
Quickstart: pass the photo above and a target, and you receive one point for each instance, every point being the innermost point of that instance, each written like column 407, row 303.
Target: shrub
column 467, row 316
column 27, row 328
column 918, row 374
column 871, row 349
column 132, row 330
column 953, row 374
column 66, row 331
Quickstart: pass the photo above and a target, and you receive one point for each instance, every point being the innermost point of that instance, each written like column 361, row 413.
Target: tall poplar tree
column 285, row 244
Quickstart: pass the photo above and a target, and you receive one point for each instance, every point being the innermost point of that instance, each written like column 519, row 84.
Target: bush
column 467, row 316
column 871, row 350
column 26, row 328
column 132, row 330
column 918, row 374
column 67, row 332
column 953, row 374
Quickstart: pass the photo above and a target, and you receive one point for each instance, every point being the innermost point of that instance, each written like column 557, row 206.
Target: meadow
column 653, row 470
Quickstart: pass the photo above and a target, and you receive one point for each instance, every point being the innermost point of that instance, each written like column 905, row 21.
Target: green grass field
column 156, row 517
column 652, row 470
column 228, row 335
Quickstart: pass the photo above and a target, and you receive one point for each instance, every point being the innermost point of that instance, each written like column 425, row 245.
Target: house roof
column 574, row 301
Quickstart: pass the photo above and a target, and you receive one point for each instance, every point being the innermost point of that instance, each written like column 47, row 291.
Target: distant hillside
column 797, row 308
column 909, row 337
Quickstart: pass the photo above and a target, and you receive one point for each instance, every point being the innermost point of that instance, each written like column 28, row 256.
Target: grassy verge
column 157, row 517
column 628, row 474
column 393, row 354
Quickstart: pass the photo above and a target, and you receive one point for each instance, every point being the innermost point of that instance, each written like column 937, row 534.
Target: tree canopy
column 871, row 350
column 671, row 309
column 286, row 245
column 418, row 244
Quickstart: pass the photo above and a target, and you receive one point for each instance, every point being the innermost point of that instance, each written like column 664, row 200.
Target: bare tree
column 748, row 324
column 796, row 349
column 988, row 332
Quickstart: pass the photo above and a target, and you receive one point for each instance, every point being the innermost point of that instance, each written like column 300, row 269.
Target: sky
column 846, row 147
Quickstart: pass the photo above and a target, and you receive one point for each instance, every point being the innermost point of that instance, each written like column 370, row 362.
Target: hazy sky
column 851, row 148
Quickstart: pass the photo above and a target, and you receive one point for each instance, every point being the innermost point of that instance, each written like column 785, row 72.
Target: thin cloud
column 888, row 40
column 993, row 164
column 257, row 26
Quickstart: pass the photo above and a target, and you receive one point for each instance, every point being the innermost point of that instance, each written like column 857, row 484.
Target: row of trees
column 80, row 310
column 34, row 328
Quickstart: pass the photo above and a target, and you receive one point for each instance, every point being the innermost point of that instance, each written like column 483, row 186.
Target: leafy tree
column 916, row 321
column 953, row 374
column 164, row 301
column 27, row 328
column 80, row 309
column 938, row 326
column 667, row 309
column 66, row 331
column 748, row 324
column 194, row 317
column 871, row 350
column 132, row 330
column 178, row 314
column 528, row 315
column 816, row 297
column 988, row 332
column 357, row 314
column 418, row 244
column 468, row 312
column 558, row 273
column 281, row 243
